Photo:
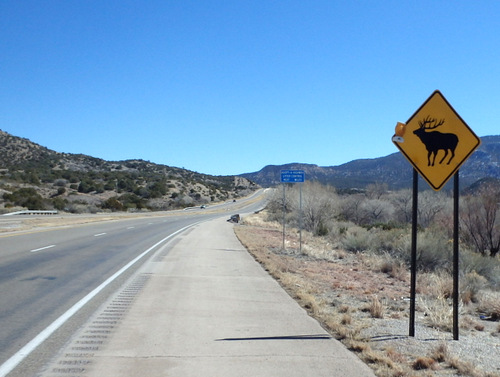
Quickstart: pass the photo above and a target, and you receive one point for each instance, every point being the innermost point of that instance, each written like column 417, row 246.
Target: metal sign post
column 437, row 156
column 300, row 218
column 284, row 216
column 456, row 258
column 413, row 277
column 292, row 176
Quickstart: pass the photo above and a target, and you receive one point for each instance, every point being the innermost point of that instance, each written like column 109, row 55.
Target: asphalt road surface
column 61, row 274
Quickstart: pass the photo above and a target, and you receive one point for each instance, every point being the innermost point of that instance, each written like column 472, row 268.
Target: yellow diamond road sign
column 436, row 140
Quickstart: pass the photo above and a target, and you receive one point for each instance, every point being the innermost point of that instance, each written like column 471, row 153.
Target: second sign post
column 293, row 176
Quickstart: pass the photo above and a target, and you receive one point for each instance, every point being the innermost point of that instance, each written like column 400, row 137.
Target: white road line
column 20, row 355
column 42, row 248
column 99, row 234
column 131, row 227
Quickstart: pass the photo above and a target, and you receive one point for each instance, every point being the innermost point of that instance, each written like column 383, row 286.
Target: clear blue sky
column 227, row 87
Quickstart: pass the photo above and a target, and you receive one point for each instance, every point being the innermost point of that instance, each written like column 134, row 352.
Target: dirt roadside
column 367, row 309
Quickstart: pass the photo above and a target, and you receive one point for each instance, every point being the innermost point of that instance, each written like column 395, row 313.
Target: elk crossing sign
column 436, row 140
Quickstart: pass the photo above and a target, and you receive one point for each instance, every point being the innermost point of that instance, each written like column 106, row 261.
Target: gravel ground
column 479, row 348
column 343, row 290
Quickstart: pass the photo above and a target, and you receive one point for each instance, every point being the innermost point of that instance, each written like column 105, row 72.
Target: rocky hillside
column 34, row 177
column 393, row 169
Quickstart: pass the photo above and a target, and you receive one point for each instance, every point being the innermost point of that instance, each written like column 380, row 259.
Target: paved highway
column 45, row 273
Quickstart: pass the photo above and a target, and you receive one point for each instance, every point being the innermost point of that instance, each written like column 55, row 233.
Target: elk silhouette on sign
column 435, row 141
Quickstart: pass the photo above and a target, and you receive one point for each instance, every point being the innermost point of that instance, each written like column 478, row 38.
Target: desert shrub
column 60, row 182
column 484, row 266
column 26, row 197
column 357, row 239
column 464, row 368
column 110, row 185
column 338, row 229
column 438, row 313
column 387, row 241
column 440, row 353
column 113, row 204
column 377, row 309
column 59, row 203
column 346, row 319
column 130, row 200
column 438, row 284
column 158, row 204
column 81, row 208
column 158, row 189
column 434, row 251
column 471, row 284
column 389, row 265
column 424, row 362
column 489, row 304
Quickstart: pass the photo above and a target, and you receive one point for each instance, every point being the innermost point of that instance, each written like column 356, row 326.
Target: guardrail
column 31, row 212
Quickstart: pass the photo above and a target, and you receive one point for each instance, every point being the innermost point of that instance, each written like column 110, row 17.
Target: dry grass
column 395, row 356
column 334, row 286
column 471, row 286
column 439, row 312
column 424, row 362
column 376, row 308
column 440, row 353
column 346, row 319
column 435, row 285
column 489, row 304
column 465, row 368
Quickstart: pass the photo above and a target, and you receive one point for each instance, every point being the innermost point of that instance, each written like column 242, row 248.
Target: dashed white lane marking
column 99, row 234
column 20, row 355
column 42, row 248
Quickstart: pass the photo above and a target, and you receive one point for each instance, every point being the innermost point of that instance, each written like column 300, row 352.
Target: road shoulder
column 203, row 306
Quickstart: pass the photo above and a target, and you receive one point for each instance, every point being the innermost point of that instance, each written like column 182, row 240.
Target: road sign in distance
column 292, row 176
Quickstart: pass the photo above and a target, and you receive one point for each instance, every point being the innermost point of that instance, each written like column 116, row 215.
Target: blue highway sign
column 292, row 176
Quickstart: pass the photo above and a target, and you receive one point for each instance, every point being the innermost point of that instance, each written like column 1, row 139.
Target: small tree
column 277, row 203
column 377, row 210
column 319, row 205
column 430, row 203
column 351, row 209
column 480, row 221
column 402, row 202
column 376, row 190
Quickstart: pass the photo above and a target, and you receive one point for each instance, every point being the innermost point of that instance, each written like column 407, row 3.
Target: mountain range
column 394, row 170
column 34, row 176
